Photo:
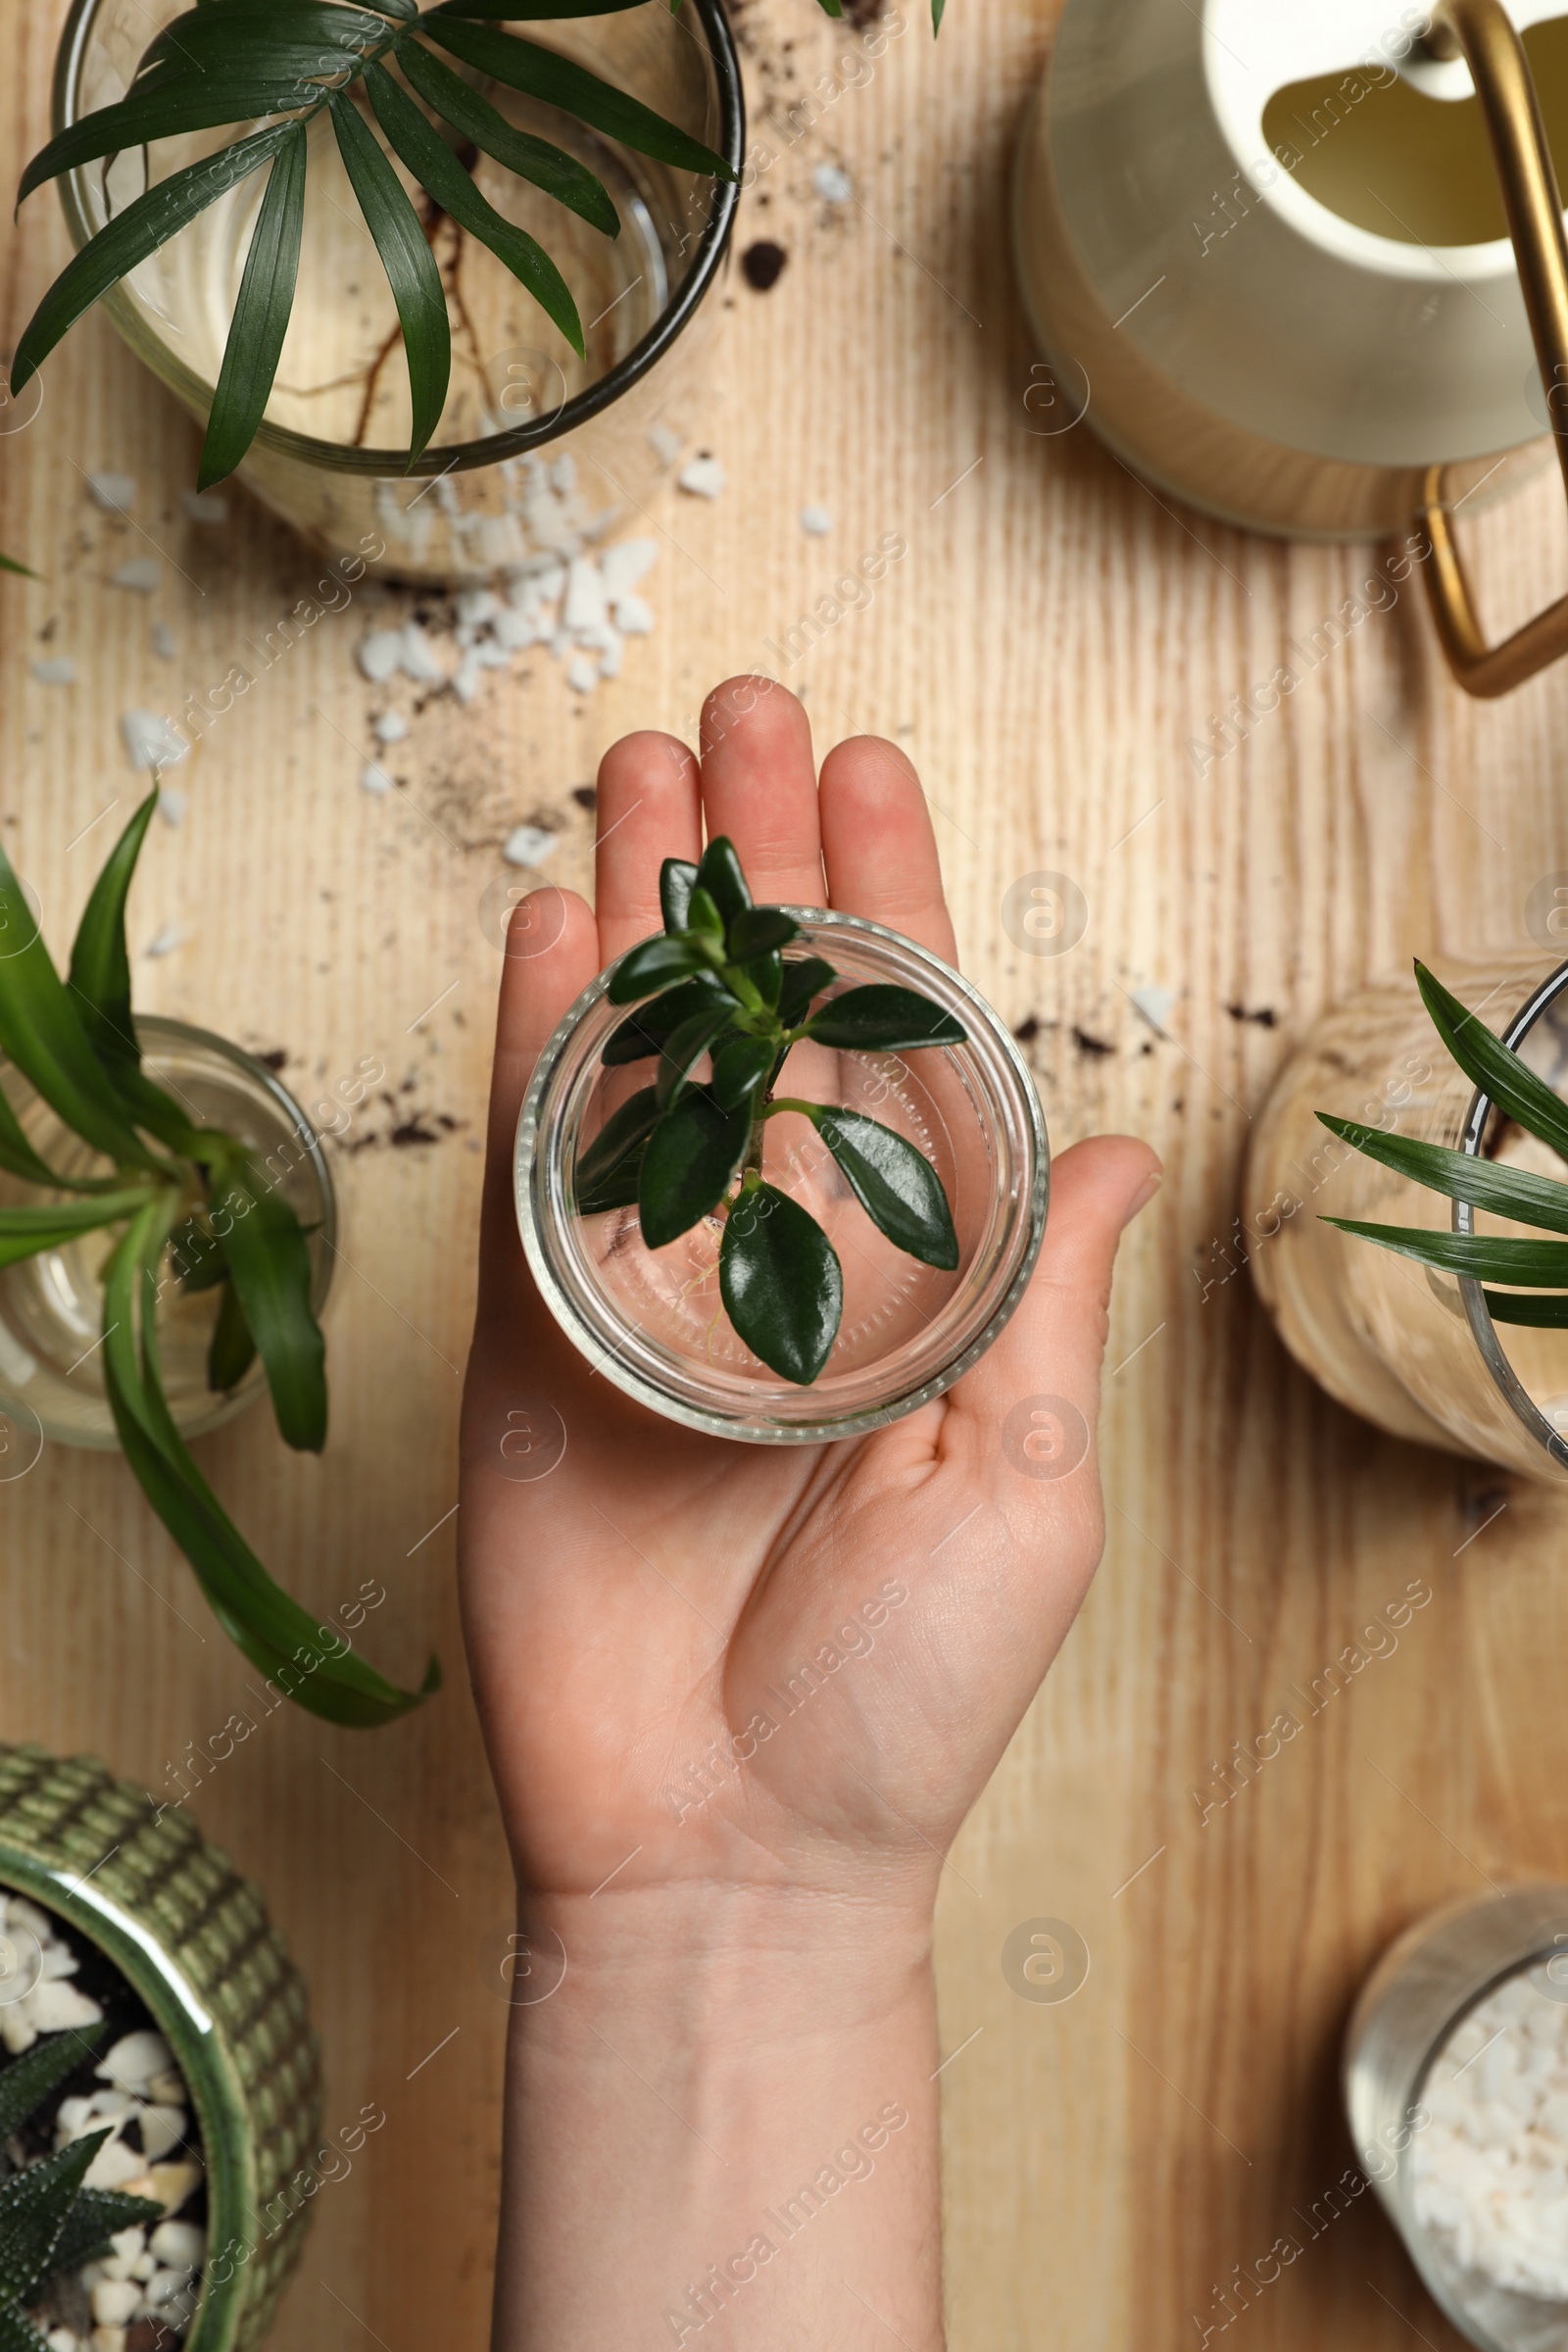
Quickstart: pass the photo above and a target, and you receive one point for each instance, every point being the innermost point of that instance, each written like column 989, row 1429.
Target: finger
column 552, row 954
column 647, row 811
column 1051, row 1353
column 877, row 843
column 759, row 787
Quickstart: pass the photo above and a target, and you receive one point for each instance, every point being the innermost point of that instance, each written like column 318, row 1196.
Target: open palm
column 698, row 1660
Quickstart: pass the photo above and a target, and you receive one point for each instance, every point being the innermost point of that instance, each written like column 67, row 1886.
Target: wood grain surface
column 1049, row 651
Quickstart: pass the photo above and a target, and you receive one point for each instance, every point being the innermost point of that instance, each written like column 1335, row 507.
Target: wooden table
column 1049, row 651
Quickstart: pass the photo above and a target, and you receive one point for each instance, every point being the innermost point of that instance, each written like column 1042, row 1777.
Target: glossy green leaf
column 781, row 1283
column 145, row 224
column 42, row 1032
column 896, row 1185
column 740, row 1066
column 33, row 2205
column 231, row 1349
column 544, row 74
column 644, row 1030
column 1543, row 1263
column 410, row 266
column 692, row 1157
column 624, row 1132
column 305, row 39
column 560, row 175
column 18, row 1157
column 760, row 931
column 268, row 1263
column 1485, row 1183
column 805, row 977
column 677, row 879
column 52, row 1225
column 190, row 101
column 654, row 964
column 1541, row 1308
column 439, row 173
column 1488, row 1063
column 261, row 317
column 723, row 877
column 684, row 1048
column 197, row 1254
column 883, row 1019
column 703, row 915
column 276, row 1634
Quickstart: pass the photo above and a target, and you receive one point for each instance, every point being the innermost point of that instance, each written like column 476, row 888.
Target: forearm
column 721, row 2128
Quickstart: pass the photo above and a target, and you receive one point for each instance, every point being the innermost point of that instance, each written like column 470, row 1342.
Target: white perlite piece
column 704, row 477
column 816, row 521
column 832, row 183
column 58, row 670
column 1155, row 1004
column 164, row 645
column 143, row 574
column 165, row 942
column 527, row 844
column 151, row 741
column 1489, row 2171
column 375, row 780
column 389, row 727
column 204, row 506
column 115, row 493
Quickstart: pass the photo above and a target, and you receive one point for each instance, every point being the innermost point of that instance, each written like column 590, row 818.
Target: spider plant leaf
column 739, row 1068
column 533, row 11
column 231, row 1349
column 723, row 877
column 781, row 1283
column 622, row 1134
column 33, row 2205
column 684, row 1048
column 550, row 168
column 759, row 931
column 652, row 966
column 410, row 266
column 18, row 1158
column 42, row 1032
column 1511, row 1084
column 52, row 1225
column 1508, row 1192
column 677, row 879
column 896, row 1185
column 439, row 173
column 1541, row 1264
column 279, row 1638
column 690, row 1159
column 805, row 977
column 22, row 571
column 261, row 317
column 645, row 1031
column 937, row 8
column 269, row 1271
column 883, row 1019
column 94, row 2218
column 831, row 8
column 168, row 106
column 27, row 2081
column 140, row 229
column 558, row 81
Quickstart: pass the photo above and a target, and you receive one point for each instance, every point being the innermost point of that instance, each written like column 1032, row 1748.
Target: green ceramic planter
column 194, row 1942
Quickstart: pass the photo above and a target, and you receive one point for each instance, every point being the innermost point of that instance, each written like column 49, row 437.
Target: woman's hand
column 739, row 1699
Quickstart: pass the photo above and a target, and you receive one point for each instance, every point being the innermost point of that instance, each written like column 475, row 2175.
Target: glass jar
column 330, row 456
column 1413, row 2033
column 651, row 1321
column 51, row 1306
column 1413, row 1349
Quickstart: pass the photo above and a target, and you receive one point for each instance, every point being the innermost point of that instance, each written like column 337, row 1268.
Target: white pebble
column 115, row 493
column 162, row 2129
column 171, row 804
column 816, row 521
column 130, row 2243
column 204, row 506
column 58, row 670
column 1155, row 1004
column 112, row 2166
column 633, row 618
column 582, row 673
column 493, row 656
column 114, row 2300
column 514, row 631
column 477, row 605
column 164, row 645
column 390, row 726
column 15, row 2031
column 163, row 2287
column 832, row 183
column 585, row 607
column 142, row 572
column 379, row 654
column 61, row 2339
column 626, row 563
column 108, row 2339
column 180, row 2244
column 374, row 779
column 419, row 657
column 702, row 476
column 151, row 741
column 527, row 844
column 665, row 443
column 168, row 2087
column 563, row 474
column 466, row 678
column 54, row 2005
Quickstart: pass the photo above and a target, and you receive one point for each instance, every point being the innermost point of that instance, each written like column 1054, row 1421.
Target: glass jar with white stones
column 652, row 1322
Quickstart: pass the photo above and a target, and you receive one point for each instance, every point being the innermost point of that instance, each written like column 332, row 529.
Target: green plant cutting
column 717, row 983
column 273, row 65
column 1539, row 1270
column 192, row 1206
column 49, row 2222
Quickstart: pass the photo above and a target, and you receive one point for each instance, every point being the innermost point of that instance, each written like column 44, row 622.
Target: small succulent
column 1541, row 1268
column 192, row 1205
column 49, row 2222
column 718, row 982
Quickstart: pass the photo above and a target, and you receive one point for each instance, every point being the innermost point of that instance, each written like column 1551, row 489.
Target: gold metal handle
column 1481, row 31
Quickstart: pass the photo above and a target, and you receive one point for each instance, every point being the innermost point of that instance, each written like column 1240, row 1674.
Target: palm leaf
column 140, row 229
column 534, row 12
column 1498, row 1071
column 548, row 168
column 438, row 170
column 284, row 40
column 1541, row 1264
column 260, row 318
column 410, row 266
column 1519, row 1306
column 1508, row 1192
column 168, row 107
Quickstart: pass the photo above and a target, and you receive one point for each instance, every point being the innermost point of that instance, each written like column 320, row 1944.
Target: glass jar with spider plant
column 167, row 1220
column 780, row 1262
column 1404, row 1173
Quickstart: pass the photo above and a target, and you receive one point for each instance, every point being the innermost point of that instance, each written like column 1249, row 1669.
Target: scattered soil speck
column 1265, row 1016
column 764, row 264
column 586, row 795
column 1086, row 1044
column 274, row 1058
column 1028, row 1029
